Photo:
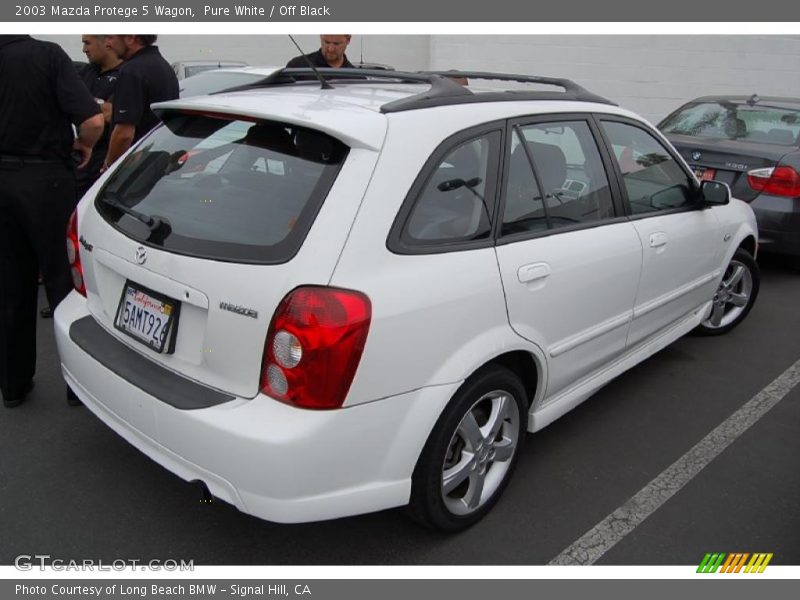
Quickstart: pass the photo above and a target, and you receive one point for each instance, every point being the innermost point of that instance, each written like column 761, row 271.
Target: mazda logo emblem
column 696, row 155
column 141, row 255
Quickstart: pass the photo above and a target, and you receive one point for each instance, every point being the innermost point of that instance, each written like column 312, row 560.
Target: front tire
column 735, row 296
column 471, row 453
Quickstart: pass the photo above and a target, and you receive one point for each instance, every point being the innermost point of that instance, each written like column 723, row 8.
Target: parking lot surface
column 73, row 489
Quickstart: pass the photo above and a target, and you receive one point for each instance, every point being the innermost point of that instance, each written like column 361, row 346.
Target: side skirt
column 541, row 416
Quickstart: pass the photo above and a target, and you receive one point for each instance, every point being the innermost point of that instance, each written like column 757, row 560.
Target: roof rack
column 444, row 90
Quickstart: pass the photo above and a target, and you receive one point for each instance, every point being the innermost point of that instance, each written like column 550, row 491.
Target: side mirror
column 714, row 193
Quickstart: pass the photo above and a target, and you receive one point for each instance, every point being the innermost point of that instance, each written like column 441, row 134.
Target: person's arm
column 89, row 133
column 108, row 110
column 77, row 102
column 121, row 139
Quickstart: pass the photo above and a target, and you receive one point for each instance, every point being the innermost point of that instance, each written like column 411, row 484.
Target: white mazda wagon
column 327, row 298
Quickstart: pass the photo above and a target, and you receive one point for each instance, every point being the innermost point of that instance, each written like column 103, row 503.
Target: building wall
column 410, row 52
column 651, row 75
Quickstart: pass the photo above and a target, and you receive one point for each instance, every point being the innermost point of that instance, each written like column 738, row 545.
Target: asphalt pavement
column 73, row 489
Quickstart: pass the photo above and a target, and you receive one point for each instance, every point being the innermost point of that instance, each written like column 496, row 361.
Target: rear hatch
column 725, row 138
column 193, row 241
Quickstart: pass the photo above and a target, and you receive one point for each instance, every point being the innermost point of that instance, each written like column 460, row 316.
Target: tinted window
column 736, row 121
column 233, row 190
column 555, row 179
column 653, row 179
column 453, row 204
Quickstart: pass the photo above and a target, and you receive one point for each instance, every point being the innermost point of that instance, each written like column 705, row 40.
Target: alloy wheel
column 480, row 452
column 732, row 296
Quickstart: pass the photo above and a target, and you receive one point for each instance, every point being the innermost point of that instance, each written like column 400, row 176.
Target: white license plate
column 147, row 316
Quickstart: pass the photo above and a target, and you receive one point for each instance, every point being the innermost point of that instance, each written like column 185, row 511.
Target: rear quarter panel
column 436, row 317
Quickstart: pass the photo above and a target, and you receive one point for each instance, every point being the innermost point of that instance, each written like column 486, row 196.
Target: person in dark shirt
column 144, row 78
column 331, row 54
column 41, row 99
column 100, row 76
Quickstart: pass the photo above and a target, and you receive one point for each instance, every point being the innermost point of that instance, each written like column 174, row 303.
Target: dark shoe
column 72, row 399
column 19, row 397
column 46, row 312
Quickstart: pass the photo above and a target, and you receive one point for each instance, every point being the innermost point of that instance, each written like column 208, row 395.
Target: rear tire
column 471, row 452
column 735, row 296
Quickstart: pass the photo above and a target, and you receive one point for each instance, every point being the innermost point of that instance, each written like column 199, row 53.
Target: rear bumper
column 266, row 458
column 778, row 224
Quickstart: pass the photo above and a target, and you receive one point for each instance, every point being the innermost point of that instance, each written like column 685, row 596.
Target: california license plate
column 148, row 317
column 704, row 174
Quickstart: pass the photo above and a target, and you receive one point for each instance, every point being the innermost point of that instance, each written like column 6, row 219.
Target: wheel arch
column 523, row 365
column 749, row 244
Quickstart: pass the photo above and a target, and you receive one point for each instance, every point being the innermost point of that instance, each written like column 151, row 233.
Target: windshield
column 215, row 81
column 225, row 189
column 736, row 121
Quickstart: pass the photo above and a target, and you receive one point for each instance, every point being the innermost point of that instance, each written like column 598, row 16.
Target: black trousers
column 36, row 200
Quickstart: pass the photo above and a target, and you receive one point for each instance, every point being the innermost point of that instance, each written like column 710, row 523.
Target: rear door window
column 556, row 179
column 223, row 188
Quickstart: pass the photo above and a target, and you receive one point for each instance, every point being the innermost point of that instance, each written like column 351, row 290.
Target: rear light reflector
column 778, row 181
column 74, row 255
column 314, row 346
column 287, row 349
column 276, row 381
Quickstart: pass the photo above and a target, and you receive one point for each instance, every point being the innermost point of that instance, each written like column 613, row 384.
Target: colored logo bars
column 733, row 563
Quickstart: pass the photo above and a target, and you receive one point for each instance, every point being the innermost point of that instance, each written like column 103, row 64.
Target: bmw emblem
column 141, row 255
column 696, row 155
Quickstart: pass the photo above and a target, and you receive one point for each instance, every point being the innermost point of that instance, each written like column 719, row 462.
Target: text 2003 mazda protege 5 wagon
column 324, row 302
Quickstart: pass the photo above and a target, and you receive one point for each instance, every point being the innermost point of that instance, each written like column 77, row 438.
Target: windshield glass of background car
column 195, row 69
column 215, row 81
column 736, row 121
column 228, row 189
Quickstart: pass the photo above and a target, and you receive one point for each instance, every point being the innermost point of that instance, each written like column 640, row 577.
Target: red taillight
column 314, row 346
column 779, row 181
column 73, row 254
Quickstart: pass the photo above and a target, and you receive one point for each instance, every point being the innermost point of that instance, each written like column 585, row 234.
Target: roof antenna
column 323, row 84
column 362, row 50
column 753, row 99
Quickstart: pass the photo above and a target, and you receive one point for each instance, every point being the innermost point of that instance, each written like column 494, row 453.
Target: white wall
column 410, row 52
column 651, row 75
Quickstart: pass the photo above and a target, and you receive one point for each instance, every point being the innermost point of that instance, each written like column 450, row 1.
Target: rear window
column 224, row 189
column 736, row 121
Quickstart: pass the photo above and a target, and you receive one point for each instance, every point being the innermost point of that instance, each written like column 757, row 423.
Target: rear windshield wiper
column 152, row 222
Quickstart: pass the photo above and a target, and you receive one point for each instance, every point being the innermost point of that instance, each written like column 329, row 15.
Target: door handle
column 657, row 240
column 532, row 272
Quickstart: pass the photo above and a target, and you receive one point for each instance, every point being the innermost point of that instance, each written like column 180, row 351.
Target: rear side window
column 453, row 205
column 224, row 189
